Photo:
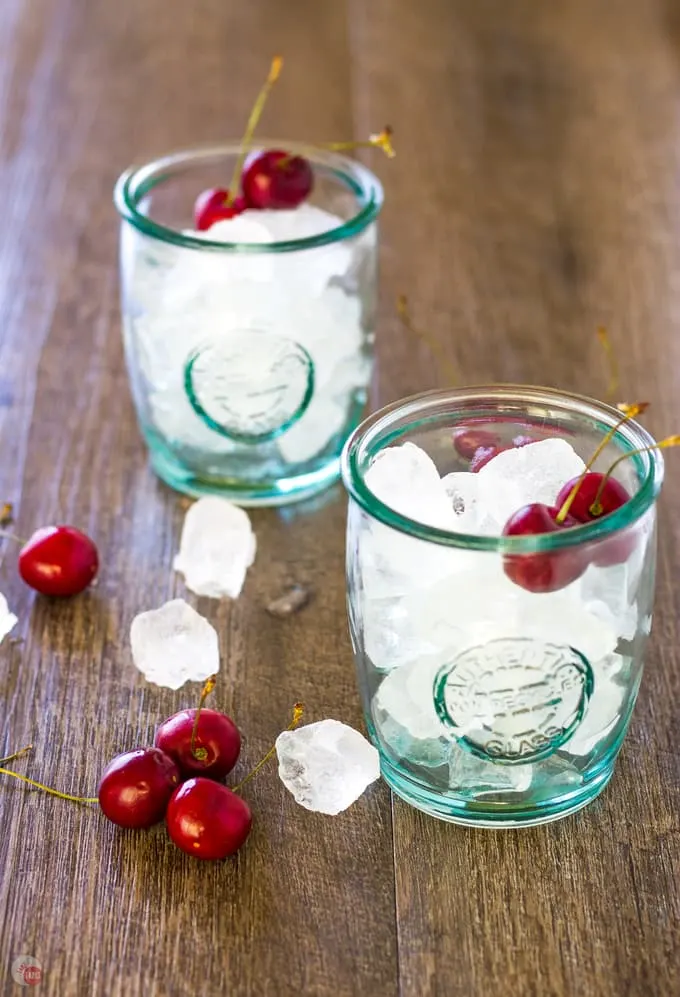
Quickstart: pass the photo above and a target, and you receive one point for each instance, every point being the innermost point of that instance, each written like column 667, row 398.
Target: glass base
column 478, row 813
column 281, row 491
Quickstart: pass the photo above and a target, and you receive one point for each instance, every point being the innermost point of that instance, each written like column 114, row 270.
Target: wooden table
column 535, row 195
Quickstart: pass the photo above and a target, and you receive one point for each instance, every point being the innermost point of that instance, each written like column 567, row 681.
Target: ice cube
column 7, row 620
column 534, row 473
column 462, row 487
column 479, row 604
column 604, row 709
column 173, row 645
column 307, row 437
column 407, row 480
column 407, row 695
column 248, row 227
column 392, row 563
column 217, row 548
column 476, row 776
column 326, row 765
column 301, row 223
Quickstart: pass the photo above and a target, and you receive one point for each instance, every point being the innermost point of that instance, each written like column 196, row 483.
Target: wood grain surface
column 535, row 195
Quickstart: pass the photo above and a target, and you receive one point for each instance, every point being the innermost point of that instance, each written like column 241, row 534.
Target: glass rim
column 136, row 181
column 357, row 448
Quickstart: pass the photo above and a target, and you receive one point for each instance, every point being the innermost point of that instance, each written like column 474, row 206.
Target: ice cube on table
column 521, row 475
column 326, row 765
column 217, row 548
column 173, row 645
column 7, row 620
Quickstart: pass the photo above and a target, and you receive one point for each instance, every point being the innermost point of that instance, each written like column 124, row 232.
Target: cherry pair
column 548, row 571
column 175, row 780
column 272, row 179
column 582, row 500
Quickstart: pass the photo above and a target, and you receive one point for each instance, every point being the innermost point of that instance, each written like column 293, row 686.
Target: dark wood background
column 535, row 195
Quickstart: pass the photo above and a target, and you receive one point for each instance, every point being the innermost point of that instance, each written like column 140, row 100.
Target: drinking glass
column 249, row 361
column 491, row 704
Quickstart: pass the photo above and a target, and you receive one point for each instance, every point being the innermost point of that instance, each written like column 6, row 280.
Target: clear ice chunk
column 7, row 620
column 393, row 563
column 407, row 480
column 469, row 773
column 407, row 695
column 480, row 604
column 534, row 473
column 462, row 487
column 326, row 765
column 217, row 548
column 173, row 645
column 604, row 709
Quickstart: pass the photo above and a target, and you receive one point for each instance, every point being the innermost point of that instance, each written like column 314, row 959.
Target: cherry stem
column 17, row 754
column 670, row 441
column 605, row 342
column 6, row 513
column 255, row 114
column 298, row 712
column 381, row 140
column 427, row 338
column 12, row 536
column 200, row 754
column 629, row 412
column 40, row 785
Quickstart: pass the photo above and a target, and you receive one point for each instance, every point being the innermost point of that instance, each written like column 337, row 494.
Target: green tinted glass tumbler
column 491, row 703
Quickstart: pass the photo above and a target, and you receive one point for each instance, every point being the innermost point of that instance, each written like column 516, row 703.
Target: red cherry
column 136, row 786
column 211, row 206
column 58, row 560
column 207, row 820
column 541, row 571
column 483, row 455
column 613, row 496
column 617, row 548
column 275, row 179
column 217, row 737
column 468, row 440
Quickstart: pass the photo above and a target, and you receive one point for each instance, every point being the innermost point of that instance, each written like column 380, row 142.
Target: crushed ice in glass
column 181, row 300
column 326, row 765
column 420, row 605
column 174, row 644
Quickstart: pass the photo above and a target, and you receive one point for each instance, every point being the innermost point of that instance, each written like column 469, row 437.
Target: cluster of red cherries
column 583, row 499
column 177, row 780
column 271, row 179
